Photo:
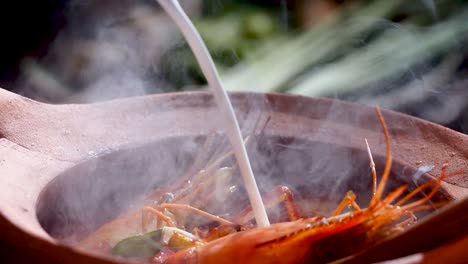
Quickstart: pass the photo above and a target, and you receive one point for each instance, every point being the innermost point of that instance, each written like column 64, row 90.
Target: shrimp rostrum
column 299, row 240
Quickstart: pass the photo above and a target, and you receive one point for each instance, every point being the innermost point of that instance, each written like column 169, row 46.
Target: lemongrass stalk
column 175, row 11
column 394, row 52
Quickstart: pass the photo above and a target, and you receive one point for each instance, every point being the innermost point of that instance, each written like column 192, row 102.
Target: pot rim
column 20, row 113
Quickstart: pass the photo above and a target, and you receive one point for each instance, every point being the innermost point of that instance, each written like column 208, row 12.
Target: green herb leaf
column 142, row 246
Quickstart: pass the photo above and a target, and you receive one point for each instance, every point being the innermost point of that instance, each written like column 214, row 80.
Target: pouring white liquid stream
column 175, row 11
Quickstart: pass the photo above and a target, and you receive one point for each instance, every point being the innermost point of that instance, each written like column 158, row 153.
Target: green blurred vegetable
column 258, row 25
column 392, row 54
column 230, row 37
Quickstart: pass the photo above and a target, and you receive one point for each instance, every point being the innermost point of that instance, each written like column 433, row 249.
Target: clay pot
column 42, row 144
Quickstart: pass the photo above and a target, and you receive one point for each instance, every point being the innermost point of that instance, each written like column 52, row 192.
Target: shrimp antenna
column 372, row 166
column 388, row 160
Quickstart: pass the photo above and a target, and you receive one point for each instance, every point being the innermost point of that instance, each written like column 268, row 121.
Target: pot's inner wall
column 96, row 191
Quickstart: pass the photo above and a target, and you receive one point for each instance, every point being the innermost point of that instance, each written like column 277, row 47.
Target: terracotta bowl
column 53, row 154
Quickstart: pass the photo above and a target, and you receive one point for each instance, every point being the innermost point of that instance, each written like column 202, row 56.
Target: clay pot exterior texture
column 38, row 141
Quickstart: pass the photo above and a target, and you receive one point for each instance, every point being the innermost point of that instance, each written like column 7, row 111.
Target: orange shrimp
column 318, row 239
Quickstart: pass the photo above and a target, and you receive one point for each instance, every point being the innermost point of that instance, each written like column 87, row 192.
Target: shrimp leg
column 279, row 195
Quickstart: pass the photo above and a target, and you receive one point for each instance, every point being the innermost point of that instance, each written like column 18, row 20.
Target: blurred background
column 409, row 56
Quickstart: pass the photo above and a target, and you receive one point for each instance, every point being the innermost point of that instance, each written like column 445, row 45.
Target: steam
column 420, row 172
column 105, row 51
